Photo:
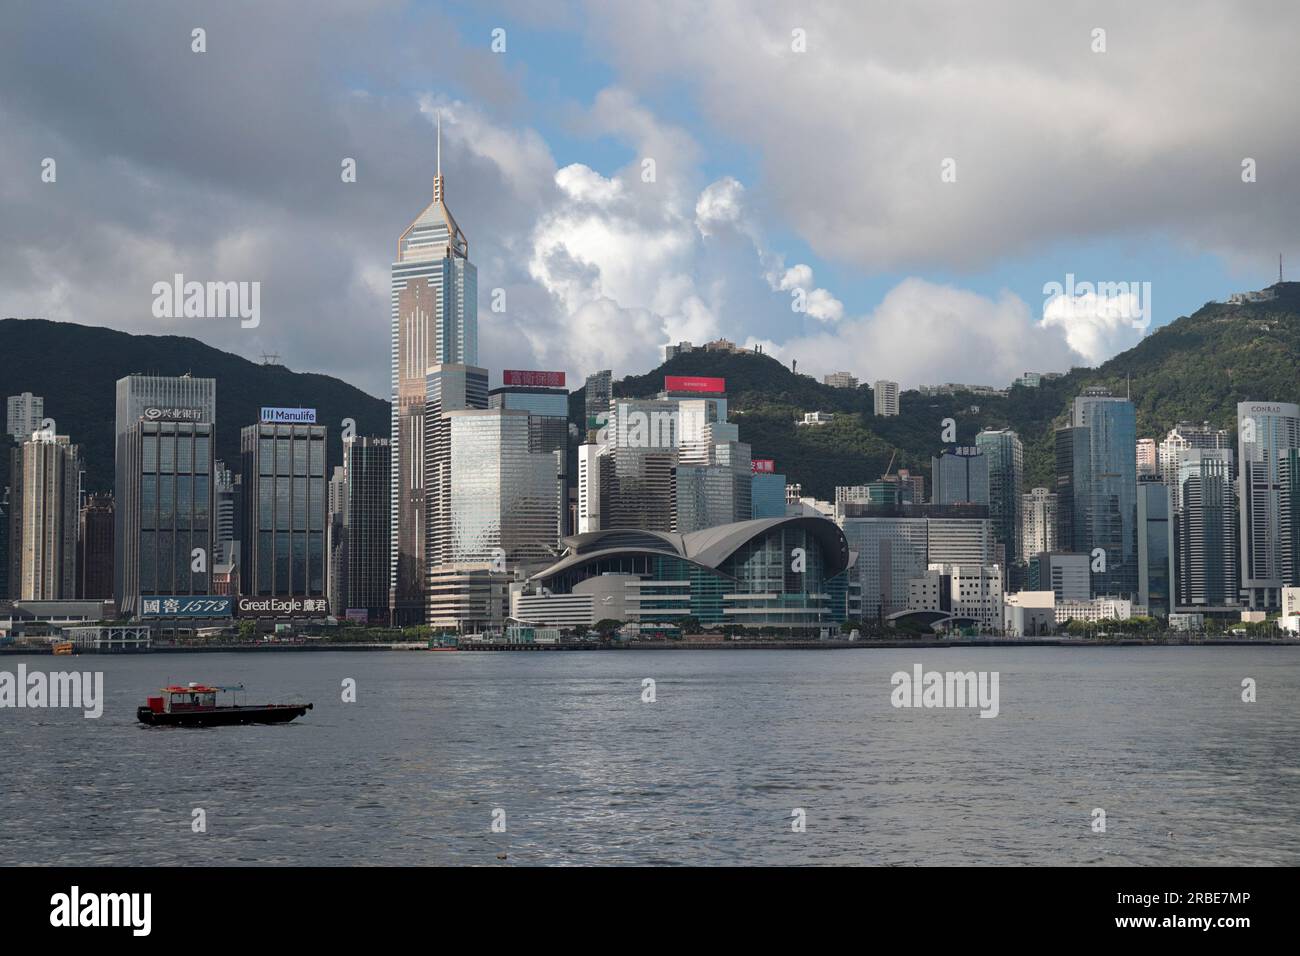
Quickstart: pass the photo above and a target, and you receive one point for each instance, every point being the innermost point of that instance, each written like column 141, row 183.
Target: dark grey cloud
column 226, row 164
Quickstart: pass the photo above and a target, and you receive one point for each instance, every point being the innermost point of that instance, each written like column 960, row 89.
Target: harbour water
column 584, row 771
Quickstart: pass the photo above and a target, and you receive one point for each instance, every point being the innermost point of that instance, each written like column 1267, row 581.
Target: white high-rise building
column 1147, row 457
column 1038, row 523
column 24, row 415
column 45, row 484
column 593, row 460
column 1183, row 437
column 885, row 395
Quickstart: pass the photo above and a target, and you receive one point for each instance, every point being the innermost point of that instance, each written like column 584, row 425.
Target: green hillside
column 75, row 368
column 1196, row 368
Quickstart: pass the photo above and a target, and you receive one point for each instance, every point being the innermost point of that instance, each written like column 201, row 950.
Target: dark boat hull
column 223, row 716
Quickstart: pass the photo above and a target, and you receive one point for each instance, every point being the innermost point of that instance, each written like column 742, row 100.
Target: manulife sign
column 289, row 416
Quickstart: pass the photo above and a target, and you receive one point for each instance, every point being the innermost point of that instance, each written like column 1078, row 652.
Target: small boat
column 64, row 649
column 195, row 705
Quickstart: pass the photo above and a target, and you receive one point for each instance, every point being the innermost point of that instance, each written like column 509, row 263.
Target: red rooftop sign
column 763, row 466
column 686, row 383
column 513, row 376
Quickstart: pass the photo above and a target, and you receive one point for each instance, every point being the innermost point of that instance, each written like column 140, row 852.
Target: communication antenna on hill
column 1279, row 268
column 269, row 358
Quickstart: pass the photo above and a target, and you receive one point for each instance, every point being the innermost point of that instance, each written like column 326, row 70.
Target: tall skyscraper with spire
column 434, row 322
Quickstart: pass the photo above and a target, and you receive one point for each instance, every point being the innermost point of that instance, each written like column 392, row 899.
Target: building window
column 300, row 504
column 282, row 504
column 316, row 561
column 166, row 500
column 264, row 562
column 167, row 453
column 148, row 563
column 148, row 501
column 184, row 501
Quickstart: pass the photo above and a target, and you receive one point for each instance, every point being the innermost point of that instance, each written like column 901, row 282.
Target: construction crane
column 890, row 466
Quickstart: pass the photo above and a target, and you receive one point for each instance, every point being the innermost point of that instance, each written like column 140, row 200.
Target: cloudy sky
column 914, row 174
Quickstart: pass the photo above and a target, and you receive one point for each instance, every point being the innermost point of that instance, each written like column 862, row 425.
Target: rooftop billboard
column 693, row 383
column 514, row 376
column 289, row 416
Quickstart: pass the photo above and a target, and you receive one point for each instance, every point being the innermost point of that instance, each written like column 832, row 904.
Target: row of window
column 291, row 504
column 180, row 501
column 166, row 562
column 171, row 454
column 300, row 457
column 290, row 563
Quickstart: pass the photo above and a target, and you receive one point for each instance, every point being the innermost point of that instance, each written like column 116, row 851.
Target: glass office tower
column 1207, row 570
column 1103, row 485
column 1006, row 463
column 434, row 313
column 368, row 464
column 285, row 499
column 1155, row 546
column 1265, row 432
column 154, row 399
column 171, row 465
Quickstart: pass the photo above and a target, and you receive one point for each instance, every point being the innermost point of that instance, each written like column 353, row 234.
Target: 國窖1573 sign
column 194, row 605
column 289, row 416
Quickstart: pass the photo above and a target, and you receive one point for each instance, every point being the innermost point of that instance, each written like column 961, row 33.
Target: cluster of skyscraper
column 1180, row 526
column 463, row 517
column 180, row 524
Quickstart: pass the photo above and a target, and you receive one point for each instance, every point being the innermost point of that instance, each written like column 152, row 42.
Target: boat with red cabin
column 195, row 705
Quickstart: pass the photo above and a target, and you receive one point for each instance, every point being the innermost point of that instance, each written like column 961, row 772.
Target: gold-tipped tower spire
column 434, row 234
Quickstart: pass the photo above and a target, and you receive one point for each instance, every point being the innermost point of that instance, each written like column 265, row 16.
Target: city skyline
column 707, row 433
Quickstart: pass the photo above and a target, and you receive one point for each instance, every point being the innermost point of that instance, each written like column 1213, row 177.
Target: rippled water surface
column 707, row 774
